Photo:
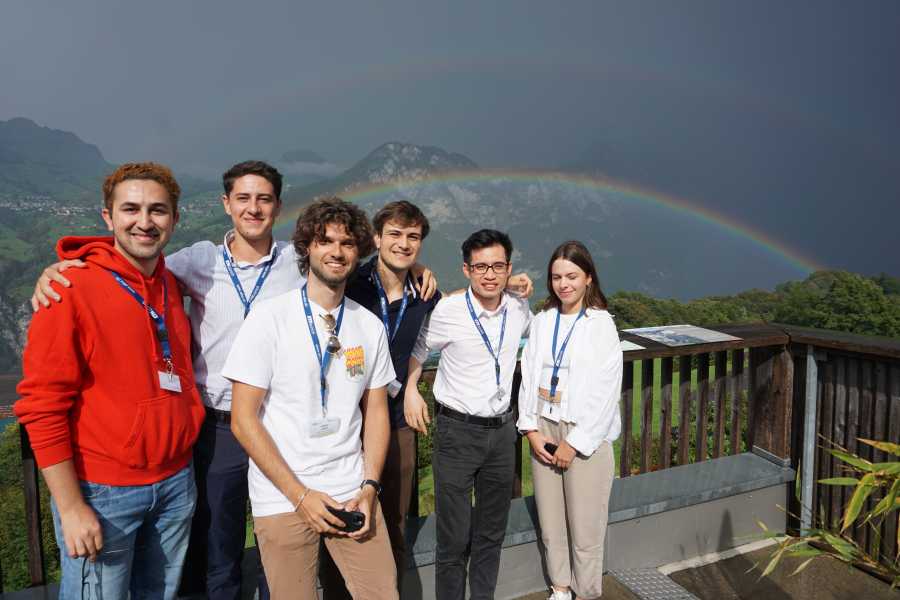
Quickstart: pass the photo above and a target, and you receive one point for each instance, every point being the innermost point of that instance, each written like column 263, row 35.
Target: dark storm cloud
column 783, row 115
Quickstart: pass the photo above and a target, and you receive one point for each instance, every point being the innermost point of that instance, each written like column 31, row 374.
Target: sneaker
column 558, row 595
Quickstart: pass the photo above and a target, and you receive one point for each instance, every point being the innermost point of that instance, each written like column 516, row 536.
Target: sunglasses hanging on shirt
column 334, row 344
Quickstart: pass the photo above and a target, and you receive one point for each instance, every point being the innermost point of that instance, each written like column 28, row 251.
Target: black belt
column 222, row 416
column 475, row 420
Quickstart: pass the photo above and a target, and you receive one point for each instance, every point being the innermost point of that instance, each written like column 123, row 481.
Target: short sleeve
column 252, row 356
column 382, row 366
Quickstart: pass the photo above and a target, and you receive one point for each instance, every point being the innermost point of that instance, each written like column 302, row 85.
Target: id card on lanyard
column 324, row 426
column 168, row 379
column 487, row 342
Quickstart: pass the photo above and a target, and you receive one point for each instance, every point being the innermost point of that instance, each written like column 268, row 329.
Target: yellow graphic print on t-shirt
column 355, row 361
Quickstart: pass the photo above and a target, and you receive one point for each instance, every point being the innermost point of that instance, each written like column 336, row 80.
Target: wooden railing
column 688, row 404
column 857, row 391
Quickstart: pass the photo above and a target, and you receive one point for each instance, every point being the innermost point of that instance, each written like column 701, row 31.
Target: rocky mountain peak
column 396, row 161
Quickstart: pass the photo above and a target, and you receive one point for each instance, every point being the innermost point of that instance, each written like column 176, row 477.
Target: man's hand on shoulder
column 43, row 290
column 429, row 285
column 520, row 285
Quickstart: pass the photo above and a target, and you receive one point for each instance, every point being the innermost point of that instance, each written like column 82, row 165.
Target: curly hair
column 326, row 211
column 152, row 171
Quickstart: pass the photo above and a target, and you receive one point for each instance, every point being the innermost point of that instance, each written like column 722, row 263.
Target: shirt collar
column 483, row 312
column 229, row 236
column 410, row 288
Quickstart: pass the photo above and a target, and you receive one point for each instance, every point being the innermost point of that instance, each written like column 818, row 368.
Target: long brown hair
column 576, row 252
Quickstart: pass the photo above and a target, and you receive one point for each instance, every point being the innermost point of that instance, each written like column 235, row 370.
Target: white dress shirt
column 216, row 310
column 466, row 379
column 594, row 379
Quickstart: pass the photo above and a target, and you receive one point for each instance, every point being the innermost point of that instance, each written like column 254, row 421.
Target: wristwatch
column 373, row 483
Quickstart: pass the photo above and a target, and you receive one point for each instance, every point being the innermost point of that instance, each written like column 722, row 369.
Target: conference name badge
column 323, row 427
column 169, row 381
column 355, row 361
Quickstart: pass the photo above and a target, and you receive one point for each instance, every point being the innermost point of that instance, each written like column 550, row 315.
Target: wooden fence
column 693, row 403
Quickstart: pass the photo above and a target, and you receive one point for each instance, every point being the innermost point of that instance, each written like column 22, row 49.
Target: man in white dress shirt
column 310, row 369
column 478, row 334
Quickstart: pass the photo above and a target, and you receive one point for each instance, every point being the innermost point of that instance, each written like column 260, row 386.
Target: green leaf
column 862, row 491
column 762, row 525
column 883, row 446
column 840, row 545
column 803, row 565
column 889, row 502
column 805, row 552
column 852, row 459
column 888, row 468
column 839, row 481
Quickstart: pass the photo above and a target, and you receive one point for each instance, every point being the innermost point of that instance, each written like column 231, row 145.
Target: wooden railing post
column 627, row 418
column 32, row 511
column 772, row 401
column 665, row 414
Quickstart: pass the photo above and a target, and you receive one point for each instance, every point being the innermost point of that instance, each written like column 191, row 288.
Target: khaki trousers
column 573, row 509
column 289, row 549
column 396, row 492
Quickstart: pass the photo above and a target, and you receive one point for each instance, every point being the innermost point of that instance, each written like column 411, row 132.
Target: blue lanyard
column 557, row 358
column 382, row 298
column 484, row 337
column 229, row 266
column 325, row 360
column 162, row 334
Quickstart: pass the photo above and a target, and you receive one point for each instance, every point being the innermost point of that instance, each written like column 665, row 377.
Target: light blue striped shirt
column 216, row 311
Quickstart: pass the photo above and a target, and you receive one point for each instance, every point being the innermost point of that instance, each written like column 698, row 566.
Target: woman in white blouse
column 569, row 410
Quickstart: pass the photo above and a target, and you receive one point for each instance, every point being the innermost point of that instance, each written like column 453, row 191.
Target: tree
column 841, row 301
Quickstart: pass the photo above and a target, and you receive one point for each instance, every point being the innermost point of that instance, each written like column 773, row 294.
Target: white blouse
column 591, row 386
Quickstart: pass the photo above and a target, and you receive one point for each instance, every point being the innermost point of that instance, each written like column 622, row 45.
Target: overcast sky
column 781, row 114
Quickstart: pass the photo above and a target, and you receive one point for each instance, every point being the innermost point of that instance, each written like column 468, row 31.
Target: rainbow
column 625, row 190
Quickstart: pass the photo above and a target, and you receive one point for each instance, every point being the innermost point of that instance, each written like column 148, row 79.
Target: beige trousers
column 289, row 549
column 573, row 508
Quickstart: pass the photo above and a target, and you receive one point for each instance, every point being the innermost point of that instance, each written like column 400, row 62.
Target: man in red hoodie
column 109, row 402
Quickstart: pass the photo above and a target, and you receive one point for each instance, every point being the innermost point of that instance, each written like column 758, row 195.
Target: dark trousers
column 471, row 457
column 396, row 484
column 219, row 529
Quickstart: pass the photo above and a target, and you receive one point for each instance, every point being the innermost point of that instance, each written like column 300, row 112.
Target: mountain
column 638, row 242
column 39, row 161
column 50, row 183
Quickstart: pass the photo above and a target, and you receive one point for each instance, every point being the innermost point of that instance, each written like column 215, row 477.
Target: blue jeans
column 145, row 535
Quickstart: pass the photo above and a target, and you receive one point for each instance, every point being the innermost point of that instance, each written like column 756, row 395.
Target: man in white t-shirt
column 309, row 370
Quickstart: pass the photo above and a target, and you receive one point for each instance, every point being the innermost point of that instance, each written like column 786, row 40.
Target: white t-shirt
column 274, row 351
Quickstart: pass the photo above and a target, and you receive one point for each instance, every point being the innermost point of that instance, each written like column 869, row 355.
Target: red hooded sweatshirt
column 91, row 390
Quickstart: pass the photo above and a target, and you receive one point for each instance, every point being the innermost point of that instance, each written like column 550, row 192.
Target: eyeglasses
column 482, row 268
column 334, row 344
